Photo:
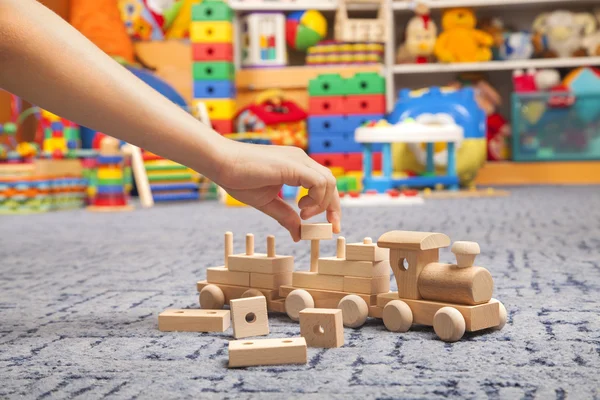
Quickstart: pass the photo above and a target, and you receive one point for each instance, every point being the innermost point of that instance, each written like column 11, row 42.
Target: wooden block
column 407, row 240
column 452, row 284
column 322, row 327
column 366, row 269
column 328, row 298
column 276, row 305
column 249, row 317
column 194, row 321
column 270, row 281
column 322, row 231
column 407, row 266
column 366, row 252
column 48, row 168
column 477, row 317
column 246, row 353
column 261, row 263
column 375, row 312
column 378, row 284
column 314, row 280
column 227, row 277
column 236, row 292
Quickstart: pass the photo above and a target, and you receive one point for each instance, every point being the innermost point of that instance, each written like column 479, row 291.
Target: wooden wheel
column 252, row 293
column 397, row 316
column 354, row 311
column 212, row 297
column 449, row 324
column 297, row 301
column 503, row 316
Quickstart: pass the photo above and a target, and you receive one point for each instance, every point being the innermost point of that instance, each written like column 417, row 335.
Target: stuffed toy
column 516, row 46
column 460, row 41
column 561, row 33
column 421, row 34
column 591, row 42
column 494, row 27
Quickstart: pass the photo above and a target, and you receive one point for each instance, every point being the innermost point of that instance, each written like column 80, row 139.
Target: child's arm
column 46, row 61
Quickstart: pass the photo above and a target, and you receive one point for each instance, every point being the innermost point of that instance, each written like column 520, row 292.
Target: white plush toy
column 564, row 30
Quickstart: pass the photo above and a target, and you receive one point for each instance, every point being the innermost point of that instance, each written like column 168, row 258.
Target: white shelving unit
column 521, row 10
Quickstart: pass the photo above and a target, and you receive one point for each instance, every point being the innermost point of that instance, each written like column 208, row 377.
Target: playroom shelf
column 408, row 5
column 539, row 173
column 320, row 5
column 496, row 65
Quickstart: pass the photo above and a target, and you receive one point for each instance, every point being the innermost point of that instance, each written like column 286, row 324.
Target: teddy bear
column 421, row 35
column 460, row 41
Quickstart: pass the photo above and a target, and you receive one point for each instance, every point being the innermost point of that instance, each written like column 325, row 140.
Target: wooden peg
column 367, row 240
column 228, row 247
column 270, row 246
column 465, row 253
column 314, row 256
column 341, row 247
column 249, row 244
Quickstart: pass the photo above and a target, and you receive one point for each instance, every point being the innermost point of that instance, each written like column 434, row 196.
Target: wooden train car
column 247, row 275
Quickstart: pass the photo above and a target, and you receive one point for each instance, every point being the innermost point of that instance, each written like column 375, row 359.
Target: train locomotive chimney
column 465, row 253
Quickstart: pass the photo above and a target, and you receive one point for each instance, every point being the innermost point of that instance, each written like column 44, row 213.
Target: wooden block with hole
column 328, row 298
column 226, row 276
column 322, row 327
column 270, row 281
column 366, row 251
column 378, row 284
column 315, row 280
column 194, row 321
column 321, row 231
column 247, row 353
column 249, row 317
column 342, row 267
column 261, row 263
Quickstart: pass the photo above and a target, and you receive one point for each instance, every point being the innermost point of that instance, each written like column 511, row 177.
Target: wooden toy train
column 453, row 298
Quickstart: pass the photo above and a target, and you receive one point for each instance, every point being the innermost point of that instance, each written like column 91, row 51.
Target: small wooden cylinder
column 448, row 283
column 367, row 240
column 249, row 244
column 341, row 247
column 314, row 256
column 228, row 246
column 270, row 246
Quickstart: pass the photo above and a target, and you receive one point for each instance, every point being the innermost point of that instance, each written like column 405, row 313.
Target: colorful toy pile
column 336, row 53
column 338, row 106
column 60, row 135
column 211, row 33
column 170, row 181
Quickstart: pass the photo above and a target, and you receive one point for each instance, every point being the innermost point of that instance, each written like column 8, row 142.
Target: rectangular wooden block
column 249, row 317
column 328, row 298
column 277, row 305
column 314, row 280
column 322, row 231
column 322, row 327
column 261, row 263
column 270, row 281
column 194, row 320
column 227, row 277
column 481, row 316
column 246, row 353
column 375, row 312
column 366, row 252
column 236, row 292
column 342, row 267
column 378, row 284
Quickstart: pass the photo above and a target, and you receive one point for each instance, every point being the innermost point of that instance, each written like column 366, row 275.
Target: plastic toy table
column 409, row 132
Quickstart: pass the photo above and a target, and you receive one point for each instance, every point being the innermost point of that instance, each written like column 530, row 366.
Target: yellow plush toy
column 460, row 41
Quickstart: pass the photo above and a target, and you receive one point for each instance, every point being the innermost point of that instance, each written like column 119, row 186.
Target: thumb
column 283, row 213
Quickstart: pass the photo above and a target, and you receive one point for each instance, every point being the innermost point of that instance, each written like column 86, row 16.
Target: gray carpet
column 80, row 294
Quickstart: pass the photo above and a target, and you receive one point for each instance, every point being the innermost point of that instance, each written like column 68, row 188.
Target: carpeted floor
column 80, row 294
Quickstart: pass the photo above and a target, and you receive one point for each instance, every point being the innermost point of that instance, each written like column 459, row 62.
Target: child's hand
column 254, row 175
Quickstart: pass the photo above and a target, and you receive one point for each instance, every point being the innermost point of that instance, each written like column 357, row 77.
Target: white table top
column 410, row 132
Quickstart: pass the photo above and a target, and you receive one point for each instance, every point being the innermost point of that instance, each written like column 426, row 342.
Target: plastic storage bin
column 556, row 126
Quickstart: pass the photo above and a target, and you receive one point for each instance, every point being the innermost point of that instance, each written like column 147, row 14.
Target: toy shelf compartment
column 557, row 126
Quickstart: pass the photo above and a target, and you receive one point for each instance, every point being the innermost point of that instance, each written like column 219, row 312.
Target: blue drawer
column 214, row 90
